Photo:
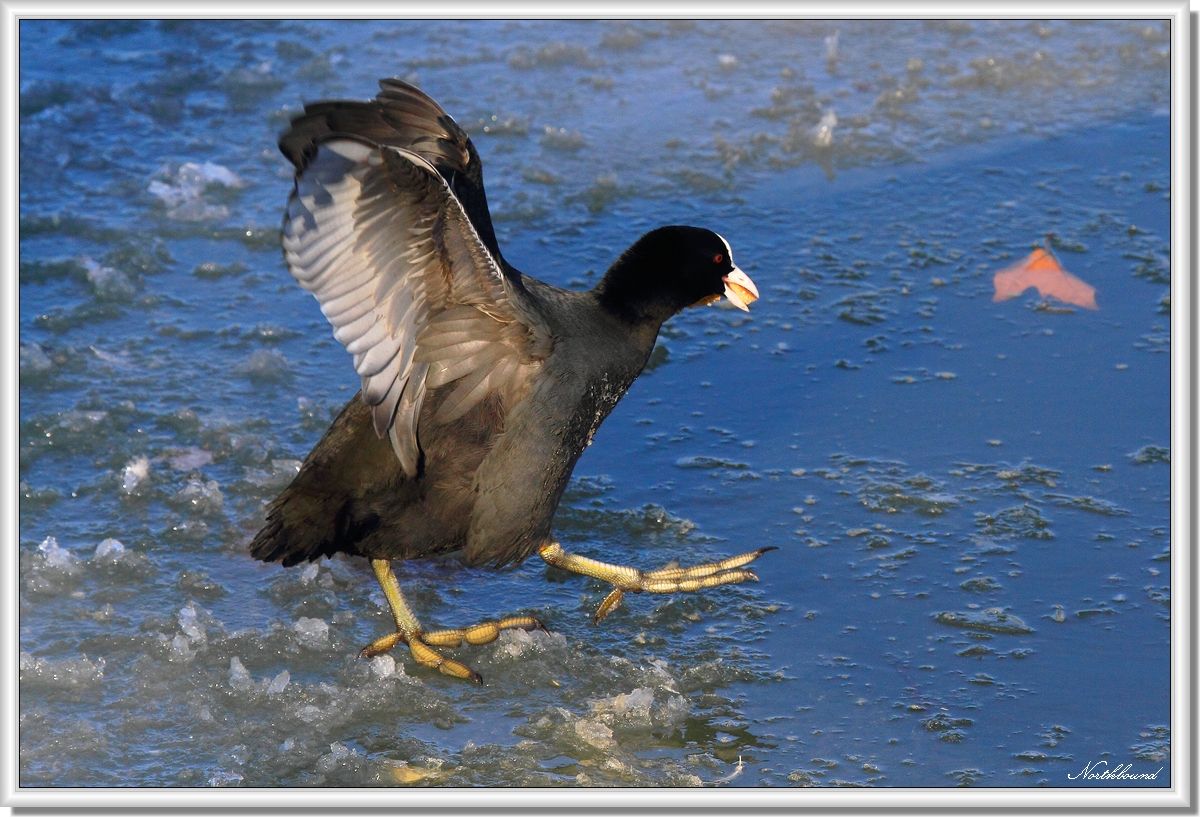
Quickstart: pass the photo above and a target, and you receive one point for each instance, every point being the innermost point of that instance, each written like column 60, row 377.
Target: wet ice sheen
column 953, row 538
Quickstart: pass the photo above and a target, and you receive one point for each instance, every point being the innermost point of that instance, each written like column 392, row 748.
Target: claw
column 381, row 645
column 611, row 602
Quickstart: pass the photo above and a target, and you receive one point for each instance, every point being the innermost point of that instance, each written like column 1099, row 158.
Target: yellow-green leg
column 665, row 580
column 408, row 630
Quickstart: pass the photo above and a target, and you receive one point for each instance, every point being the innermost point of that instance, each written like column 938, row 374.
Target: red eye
column 718, row 258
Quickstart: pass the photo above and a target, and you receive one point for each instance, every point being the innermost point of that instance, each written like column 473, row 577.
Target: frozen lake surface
column 971, row 500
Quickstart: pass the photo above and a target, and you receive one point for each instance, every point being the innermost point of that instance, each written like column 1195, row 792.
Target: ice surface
column 149, row 454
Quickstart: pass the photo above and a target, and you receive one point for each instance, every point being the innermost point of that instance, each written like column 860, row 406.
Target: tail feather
column 316, row 515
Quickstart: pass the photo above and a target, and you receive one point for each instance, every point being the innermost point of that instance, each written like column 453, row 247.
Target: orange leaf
column 1040, row 269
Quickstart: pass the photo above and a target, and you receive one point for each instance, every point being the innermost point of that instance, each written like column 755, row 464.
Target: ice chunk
column 52, row 569
column 80, row 421
column 110, row 549
column 309, row 573
column 267, row 366
column 831, row 47
column 223, row 779
column 383, row 666
column 210, row 173
column 727, row 62
column 636, row 703
column 595, row 733
column 340, row 756
column 313, row 633
column 632, row 708
column 188, row 459
column 115, row 559
column 34, row 359
column 563, row 139
column 279, row 683
column 201, row 497
column 239, row 676
column 63, row 673
column 107, row 284
column 136, row 472
column 520, row 643
column 190, row 622
column 181, row 189
column 822, row 134
column 181, row 652
column 197, row 583
column 674, row 711
column 282, row 472
column 58, row 558
column 190, row 530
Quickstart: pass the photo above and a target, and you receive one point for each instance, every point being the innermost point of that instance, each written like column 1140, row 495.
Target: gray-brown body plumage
column 490, row 481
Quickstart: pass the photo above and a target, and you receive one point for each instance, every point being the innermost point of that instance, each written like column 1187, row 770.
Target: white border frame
column 1182, row 794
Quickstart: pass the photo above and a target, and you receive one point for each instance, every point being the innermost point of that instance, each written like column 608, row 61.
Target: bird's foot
column 670, row 579
column 421, row 645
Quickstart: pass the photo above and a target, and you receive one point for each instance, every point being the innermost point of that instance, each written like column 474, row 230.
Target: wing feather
column 448, row 369
column 469, row 390
column 404, row 444
column 385, row 409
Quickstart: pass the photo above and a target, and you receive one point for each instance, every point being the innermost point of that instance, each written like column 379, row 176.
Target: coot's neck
column 629, row 292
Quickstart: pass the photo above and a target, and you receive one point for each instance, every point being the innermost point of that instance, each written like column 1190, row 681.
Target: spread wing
column 413, row 293
column 403, row 116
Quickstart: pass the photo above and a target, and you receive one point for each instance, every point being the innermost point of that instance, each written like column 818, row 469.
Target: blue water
column 919, row 454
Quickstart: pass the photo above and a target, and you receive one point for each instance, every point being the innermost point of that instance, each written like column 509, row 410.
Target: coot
column 481, row 386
